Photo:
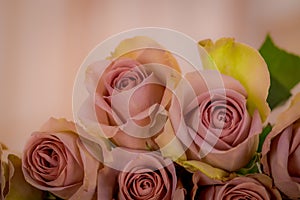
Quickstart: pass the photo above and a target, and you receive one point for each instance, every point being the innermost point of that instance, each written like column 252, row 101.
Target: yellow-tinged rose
column 245, row 64
column 130, row 93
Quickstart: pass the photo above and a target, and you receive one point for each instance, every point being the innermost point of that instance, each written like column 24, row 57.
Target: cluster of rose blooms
column 155, row 127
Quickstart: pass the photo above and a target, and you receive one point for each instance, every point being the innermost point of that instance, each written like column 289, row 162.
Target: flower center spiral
column 221, row 118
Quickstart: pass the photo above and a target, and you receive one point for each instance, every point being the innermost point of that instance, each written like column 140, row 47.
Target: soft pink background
column 43, row 43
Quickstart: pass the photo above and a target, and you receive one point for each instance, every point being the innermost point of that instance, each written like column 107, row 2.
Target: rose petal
column 252, row 186
column 107, row 182
column 209, row 79
column 89, row 185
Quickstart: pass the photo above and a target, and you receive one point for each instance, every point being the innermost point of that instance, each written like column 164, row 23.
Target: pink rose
column 281, row 151
column 56, row 160
column 140, row 175
column 214, row 124
column 254, row 186
column 128, row 99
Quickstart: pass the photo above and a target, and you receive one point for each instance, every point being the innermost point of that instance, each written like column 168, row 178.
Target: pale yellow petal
column 145, row 50
column 208, row 170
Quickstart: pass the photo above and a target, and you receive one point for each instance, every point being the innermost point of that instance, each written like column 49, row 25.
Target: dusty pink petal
column 224, row 117
column 235, row 158
column 180, row 193
column 279, row 164
column 130, row 102
column 257, row 186
column 143, row 175
column 107, row 98
column 284, row 120
column 128, row 141
column 280, row 152
column 239, row 155
column 96, row 121
column 294, row 158
column 124, row 74
column 142, row 184
column 107, row 183
column 216, row 125
column 90, row 167
column 205, row 80
column 228, row 148
column 137, row 112
column 58, row 178
column 147, row 123
column 130, row 95
column 243, row 190
column 252, row 186
column 37, row 154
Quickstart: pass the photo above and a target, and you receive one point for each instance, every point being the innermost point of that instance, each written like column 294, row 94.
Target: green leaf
column 252, row 167
column 50, row 196
column 263, row 136
column 284, row 70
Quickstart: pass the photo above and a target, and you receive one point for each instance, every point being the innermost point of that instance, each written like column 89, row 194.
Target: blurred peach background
column 43, row 43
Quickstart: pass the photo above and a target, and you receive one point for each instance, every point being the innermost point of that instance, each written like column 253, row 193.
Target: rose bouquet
column 168, row 120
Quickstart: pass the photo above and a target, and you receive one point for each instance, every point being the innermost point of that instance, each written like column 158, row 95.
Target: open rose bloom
column 129, row 95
